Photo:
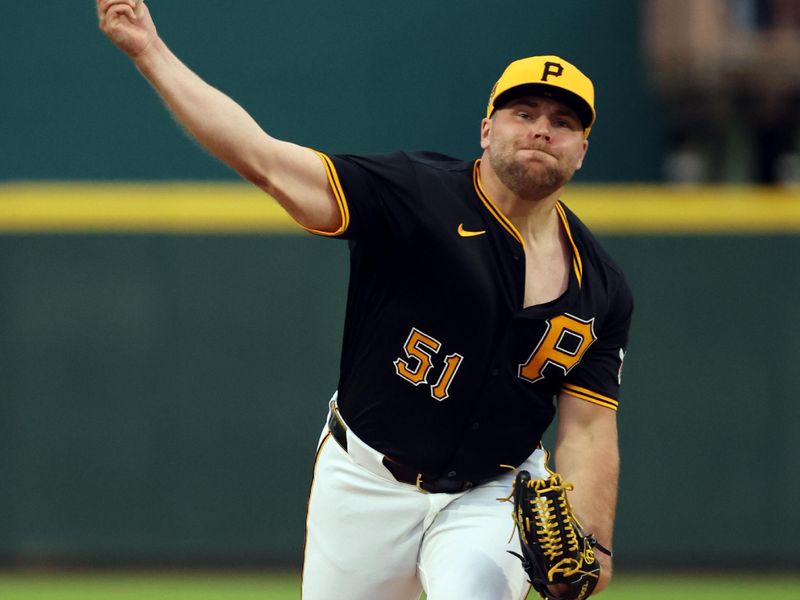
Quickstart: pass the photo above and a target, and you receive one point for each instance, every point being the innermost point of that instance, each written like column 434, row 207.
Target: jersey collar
column 577, row 263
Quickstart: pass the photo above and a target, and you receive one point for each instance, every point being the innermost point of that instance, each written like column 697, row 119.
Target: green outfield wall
column 347, row 76
column 167, row 350
column 163, row 382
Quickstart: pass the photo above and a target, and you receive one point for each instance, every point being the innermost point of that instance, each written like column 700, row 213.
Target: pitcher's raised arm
column 295, row 176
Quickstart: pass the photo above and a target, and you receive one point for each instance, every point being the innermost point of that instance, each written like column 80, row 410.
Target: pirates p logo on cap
column 551, row 75
column 552, row 68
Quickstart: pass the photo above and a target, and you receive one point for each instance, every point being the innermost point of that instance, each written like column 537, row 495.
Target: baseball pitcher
column 479, row 308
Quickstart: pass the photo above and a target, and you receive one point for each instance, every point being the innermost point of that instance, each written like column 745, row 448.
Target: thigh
column 465, row 552
column 362, row 533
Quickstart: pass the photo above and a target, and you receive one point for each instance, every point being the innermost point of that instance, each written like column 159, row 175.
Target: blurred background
column 168, row 341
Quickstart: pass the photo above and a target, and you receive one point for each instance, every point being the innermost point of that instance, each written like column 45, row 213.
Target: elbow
column 324, row 222
column 321, row 216
column 256, row 177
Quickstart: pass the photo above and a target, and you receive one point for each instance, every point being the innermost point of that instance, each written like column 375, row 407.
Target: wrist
column 606, row 570
column 147, row 60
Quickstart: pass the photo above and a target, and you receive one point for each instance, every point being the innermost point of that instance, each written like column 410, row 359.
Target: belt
column 402, row 473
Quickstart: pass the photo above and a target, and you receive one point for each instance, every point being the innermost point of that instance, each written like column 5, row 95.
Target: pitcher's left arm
column 587, row 455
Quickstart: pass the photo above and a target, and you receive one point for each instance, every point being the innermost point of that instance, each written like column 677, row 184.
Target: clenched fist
column 128, row 24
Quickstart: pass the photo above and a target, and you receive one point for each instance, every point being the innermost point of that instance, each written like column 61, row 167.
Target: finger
column 103, row 6
column 116, row 12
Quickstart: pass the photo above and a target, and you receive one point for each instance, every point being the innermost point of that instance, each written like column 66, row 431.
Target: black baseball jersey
column 442, row 367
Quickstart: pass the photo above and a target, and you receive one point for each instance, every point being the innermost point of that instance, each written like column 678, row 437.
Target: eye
column 566, row 122
column 523, row 115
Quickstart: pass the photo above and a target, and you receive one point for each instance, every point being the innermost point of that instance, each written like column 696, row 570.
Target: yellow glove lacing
column 546, row 528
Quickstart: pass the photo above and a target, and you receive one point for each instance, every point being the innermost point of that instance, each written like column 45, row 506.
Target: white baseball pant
column 370, row 537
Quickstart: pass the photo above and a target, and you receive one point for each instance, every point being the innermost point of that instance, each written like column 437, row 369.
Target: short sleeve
column 373, row 192
column 598, row 376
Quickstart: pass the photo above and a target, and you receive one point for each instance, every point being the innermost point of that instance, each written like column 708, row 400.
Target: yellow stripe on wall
column 140, row 207
column 697, row 210
column 243, row 208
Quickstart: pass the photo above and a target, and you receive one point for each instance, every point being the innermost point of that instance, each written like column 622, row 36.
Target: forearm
column 218, row 123
column 587, row 455
column 592, row 465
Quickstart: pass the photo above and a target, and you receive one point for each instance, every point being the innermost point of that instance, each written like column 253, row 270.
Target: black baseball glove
column 555, row 550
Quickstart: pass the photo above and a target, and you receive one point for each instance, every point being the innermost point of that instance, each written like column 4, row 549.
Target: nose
column 540, row 128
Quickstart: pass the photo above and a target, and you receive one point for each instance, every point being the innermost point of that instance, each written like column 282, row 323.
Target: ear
column 486, row 128
column 583, row 154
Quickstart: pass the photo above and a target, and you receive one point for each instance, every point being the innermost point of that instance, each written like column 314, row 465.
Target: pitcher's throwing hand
column 127, row 23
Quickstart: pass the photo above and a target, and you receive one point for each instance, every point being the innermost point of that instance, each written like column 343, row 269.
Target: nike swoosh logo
column 466, row 233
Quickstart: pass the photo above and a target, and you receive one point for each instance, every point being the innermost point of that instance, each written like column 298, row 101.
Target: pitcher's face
column 534, row 144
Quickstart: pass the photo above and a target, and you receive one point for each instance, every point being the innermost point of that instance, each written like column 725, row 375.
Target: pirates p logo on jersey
column 565, row 340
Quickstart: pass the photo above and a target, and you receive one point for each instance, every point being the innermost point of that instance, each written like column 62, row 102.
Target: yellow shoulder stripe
column 590, row 396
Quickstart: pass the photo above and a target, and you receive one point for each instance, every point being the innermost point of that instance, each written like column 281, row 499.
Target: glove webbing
column 545, row 521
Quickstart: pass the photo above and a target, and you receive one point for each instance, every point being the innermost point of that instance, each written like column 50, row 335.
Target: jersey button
column 475, row 426
column 451, row 474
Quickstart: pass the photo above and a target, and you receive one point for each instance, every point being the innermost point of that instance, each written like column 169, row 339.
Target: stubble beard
column 526, row 182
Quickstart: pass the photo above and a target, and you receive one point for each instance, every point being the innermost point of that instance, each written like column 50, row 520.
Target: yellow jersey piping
column 577, row 264
column 338, row 192
column 590, row 396
column 508, row 225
